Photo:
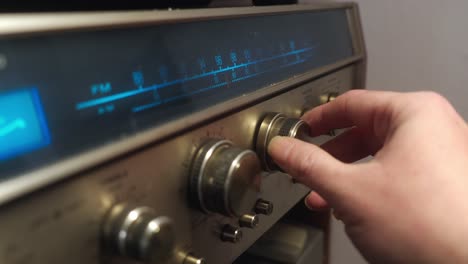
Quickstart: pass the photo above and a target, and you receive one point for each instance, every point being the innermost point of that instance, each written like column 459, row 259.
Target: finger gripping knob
column 276, row 124
column 225, row 179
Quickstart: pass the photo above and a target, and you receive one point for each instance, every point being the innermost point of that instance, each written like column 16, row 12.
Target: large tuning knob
column 137, row 233
column 225, row 179
column 276, row 124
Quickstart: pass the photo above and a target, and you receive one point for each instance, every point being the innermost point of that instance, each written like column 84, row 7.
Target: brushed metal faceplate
column 61, row 224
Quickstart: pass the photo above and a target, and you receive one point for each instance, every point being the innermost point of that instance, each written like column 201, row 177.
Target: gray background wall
column 412, row 45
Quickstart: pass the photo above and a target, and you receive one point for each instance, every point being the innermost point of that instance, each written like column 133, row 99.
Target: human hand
column 409, row 204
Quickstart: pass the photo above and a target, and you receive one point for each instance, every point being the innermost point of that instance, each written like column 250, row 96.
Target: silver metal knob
column 139, row 234
column 249, row 221
column 225, row 179
column 276, row 124
column 231, row 234
column 190, row 259
column 264, row 207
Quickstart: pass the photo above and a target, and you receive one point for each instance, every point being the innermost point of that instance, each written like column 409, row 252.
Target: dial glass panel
column 64, row 94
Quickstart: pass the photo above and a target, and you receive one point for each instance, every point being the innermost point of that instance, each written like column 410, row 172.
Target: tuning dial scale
column 277, row 124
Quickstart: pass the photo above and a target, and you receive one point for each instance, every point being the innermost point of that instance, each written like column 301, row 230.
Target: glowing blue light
column 233, row 57
column 138, row 79
column 219, row 60
column 101, row 88
column 233, row 74
column 247, row 54
column 202, row 64
column 23, row 127
column 164, row 74
column 148, row 106
column 292, row 44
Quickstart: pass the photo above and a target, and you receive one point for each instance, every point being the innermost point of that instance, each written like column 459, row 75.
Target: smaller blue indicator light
column 219, row 60
column 138, row 79
column 233, row 57
column 216, row 79
column 101, row 88
column 202, row 63
column 247, row 54
column 23, row 127
column 292, row 45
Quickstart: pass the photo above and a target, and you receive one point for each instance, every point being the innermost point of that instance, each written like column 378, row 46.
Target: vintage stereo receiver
column 140, row 137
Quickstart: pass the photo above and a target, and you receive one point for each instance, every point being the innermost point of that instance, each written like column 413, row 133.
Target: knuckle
column 288, row 151
column 427, row 103
column 354, row 92
column 289, row 158
column 307, row 162
column 433, row 98
column 346, row 96
column 306, row 165
column 346, row 100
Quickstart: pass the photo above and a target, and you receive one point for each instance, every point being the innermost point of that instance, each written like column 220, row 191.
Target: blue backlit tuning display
column 222, row 75
column 22, row 123
column 98, row 87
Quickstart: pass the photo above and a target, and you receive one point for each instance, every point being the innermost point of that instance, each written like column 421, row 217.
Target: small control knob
column 139, row 234
column 264, row 207
column 249, row 221
column 225, row 179
column 231, row 234
column 190, row 259
column 276, row 124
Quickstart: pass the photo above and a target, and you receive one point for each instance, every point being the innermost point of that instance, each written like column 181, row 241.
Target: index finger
column 353, row 108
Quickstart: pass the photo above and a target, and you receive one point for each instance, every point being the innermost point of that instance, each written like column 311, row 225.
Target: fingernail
column 307, row 204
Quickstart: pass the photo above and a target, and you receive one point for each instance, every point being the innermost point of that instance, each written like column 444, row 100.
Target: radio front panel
column 64, row 221
column 85, row 90
column 185, row 179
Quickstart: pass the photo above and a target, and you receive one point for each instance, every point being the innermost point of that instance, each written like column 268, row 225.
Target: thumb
column 314, row 167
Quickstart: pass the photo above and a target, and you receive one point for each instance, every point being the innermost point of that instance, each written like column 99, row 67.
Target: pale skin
column 409, row 203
